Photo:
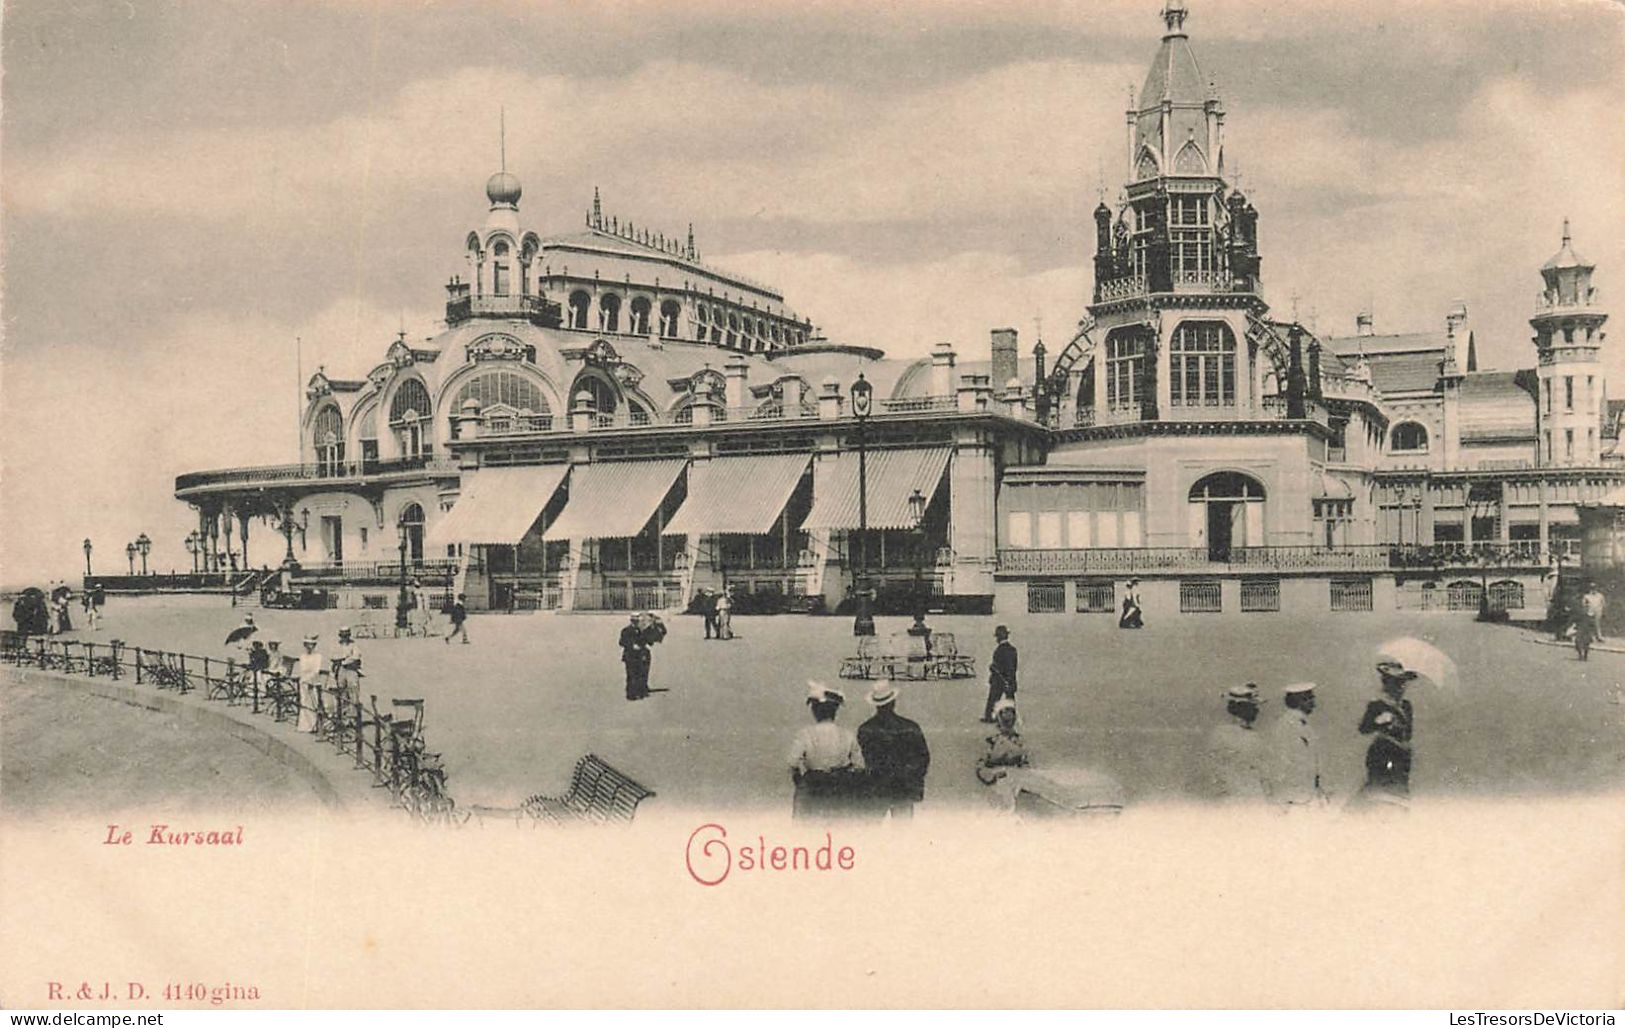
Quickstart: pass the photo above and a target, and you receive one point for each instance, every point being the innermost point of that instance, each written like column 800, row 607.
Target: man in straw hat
column 1236, row 748
column 895, row 751
column 826, row 763
column 312, row 666
column 1295, row 750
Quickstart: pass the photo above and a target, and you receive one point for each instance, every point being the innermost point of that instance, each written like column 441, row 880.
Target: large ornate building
column 605, row 420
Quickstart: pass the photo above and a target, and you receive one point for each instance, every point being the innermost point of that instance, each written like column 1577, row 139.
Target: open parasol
column 1421, row 657
column 240, row 633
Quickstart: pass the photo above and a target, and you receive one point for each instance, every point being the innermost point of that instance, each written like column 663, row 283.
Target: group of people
column 49, row 611
column 1284, row 762
column 878, row 772
column 315, row 674
column 716, row 607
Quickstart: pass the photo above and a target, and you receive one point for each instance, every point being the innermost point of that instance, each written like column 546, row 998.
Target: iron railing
column 388, row 745
column 316, row 471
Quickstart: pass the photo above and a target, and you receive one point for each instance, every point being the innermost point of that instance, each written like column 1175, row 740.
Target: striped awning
column 893, row 476
column 738, row 495
column 497, row 505
column 614, row 499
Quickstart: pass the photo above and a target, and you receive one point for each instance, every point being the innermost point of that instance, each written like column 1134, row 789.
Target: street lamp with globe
column 192, row 548
column 129, row 555
column 144, row 546
column 87, row 558
column 862, row 407
column 400, row 603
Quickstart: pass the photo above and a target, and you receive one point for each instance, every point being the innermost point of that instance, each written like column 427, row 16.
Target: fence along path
column 388, row 744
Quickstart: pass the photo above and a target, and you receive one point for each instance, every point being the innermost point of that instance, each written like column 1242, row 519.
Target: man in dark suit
column 1001, row 673
column 895, row 752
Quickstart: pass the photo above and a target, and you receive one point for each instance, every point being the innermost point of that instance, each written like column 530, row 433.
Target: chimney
column 1015, row 398
column 829, row 399
column 974, row 392
column 1314, row 369
column 582, row 411
column 790, row 395
column 1459, row 329
column 702, row 404
column 736, row 371
column 1294, row 375
column 942, row 370
column 1362, row 323
column 1004, row 356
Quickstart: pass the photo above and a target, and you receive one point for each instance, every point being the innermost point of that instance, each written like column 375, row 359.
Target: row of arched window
column 725, row 326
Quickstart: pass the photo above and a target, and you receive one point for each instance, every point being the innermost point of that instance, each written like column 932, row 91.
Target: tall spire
column 597, row 209
column 1566, row 239
column 502, row 131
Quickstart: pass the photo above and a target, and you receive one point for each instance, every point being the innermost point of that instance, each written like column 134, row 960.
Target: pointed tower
column 1568, row 338
column 1176, row 301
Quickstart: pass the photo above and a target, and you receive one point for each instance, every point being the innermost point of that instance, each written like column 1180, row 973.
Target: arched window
column 1227, row 485
column 411, row 526
column 328, row 436
column 1125, row 363
column 609, row 313
column 580, row 302
column 638, row 322
column 409, row 414
column 509, row 389
column 1408, row 437
column 1190, row 160
column 670, row 313
column 410, row 402
column 733, row 330
column 499, row 269
column 606, row 398
column 1147, row 165
column 1202, row 365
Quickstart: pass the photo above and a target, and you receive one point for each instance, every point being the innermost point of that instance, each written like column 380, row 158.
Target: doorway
column 1227, row 512
column 333, row 536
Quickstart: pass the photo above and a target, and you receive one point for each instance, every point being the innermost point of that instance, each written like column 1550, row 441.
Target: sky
column 186, row 189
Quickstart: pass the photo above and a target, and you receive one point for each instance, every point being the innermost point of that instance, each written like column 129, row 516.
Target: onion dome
column 503, row 189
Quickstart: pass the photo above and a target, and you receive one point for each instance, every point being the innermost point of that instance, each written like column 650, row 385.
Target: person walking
column 708, row 611
column 725, row 613
column 1236, row 749
column 420, row 608
column 1001, row 672
column 896, row 754
column 1295, row 752
column 1389, row 720
column 1592, row 604
column 346, row 668
column 459, row 619
column 1133, row 614
column 93, row 616
column 825, row 759
column 311, row 668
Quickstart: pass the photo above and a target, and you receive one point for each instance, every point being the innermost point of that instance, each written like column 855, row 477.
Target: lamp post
column 400, row 602
column 192, row 549
column 87, row 558
column 144, row 546
column 129, row 554
column 304, row 526
column 862, row 398
column 916, row 512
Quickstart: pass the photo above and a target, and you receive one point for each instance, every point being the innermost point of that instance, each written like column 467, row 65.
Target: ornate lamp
column 144, row 546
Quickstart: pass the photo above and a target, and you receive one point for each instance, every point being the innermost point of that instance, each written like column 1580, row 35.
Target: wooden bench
column 598, row 794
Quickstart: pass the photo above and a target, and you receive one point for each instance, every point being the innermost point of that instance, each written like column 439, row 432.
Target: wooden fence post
column 254, row 685
column 182, row 685
column 138, row 665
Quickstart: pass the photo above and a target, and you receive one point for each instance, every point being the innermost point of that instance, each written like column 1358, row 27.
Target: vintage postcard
column 706, row 504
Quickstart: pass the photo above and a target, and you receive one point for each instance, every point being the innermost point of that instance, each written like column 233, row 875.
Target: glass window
column 1021, row 529
column 411, row 398
column 1409, row 436
column 1125, row 359
column 1202, row 365
column 509, row 388
column 1568, row 392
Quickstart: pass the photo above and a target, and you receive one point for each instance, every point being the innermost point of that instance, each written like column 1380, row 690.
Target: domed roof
column 503, row 188
column 1566, row 257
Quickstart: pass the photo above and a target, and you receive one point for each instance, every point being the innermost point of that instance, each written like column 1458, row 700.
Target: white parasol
column 1421, row 657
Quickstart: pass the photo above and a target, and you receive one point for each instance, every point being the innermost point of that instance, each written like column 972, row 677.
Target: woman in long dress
column 312, row 666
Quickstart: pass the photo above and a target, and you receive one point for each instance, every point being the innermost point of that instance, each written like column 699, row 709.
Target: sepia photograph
column 936, row 504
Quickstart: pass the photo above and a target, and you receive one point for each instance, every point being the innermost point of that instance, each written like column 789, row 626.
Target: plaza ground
column 66, row 753
column 513, row 711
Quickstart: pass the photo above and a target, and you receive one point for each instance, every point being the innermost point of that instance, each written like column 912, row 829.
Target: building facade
column 607, row 421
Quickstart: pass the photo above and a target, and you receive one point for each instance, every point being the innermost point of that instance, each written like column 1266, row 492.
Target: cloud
column 93, row 445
